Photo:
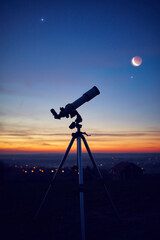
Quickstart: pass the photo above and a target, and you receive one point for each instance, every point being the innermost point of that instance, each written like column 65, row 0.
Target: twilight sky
column 50, row 63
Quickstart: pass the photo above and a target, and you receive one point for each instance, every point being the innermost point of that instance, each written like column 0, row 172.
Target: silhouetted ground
column 138, row 203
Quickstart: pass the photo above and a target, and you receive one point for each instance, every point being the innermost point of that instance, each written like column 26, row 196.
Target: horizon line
column 72, row 152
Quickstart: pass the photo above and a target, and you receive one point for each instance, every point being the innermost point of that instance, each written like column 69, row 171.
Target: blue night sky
column 49, row 63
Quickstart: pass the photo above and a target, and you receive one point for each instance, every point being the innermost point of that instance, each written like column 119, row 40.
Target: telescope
column 70, row 109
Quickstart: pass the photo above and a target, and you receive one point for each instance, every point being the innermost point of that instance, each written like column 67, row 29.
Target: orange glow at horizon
column 99, row 146
column 36, row 141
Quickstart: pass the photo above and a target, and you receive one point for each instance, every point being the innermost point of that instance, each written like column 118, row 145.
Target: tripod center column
column 80, row 169
column 79, row 156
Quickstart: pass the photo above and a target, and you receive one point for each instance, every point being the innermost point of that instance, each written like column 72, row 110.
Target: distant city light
column 52, row 170
column 62, row 170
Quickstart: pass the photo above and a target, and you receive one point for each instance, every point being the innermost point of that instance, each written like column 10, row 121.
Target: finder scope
column 71, row 107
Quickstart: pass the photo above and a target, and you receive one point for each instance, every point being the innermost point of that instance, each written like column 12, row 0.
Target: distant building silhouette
column 126, row 170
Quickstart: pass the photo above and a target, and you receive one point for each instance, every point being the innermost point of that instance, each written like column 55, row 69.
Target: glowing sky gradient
column 48, row 64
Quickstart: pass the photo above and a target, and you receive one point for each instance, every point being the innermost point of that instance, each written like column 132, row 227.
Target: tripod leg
column 81, row 188
column 101, row 178
column 54, row 176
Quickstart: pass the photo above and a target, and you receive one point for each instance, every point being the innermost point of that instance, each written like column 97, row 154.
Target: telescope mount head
column 78, row 120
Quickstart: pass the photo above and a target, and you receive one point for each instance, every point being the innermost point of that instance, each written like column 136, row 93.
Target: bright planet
column 136, row 61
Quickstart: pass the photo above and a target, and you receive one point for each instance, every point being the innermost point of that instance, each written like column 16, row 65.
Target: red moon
column 136, row 61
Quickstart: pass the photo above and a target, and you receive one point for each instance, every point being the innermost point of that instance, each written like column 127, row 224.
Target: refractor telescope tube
column 93, row 92
column 71, row 107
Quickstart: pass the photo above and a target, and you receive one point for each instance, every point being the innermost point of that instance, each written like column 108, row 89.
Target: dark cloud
column 46, row 144
column 128, row 134
column 120, row 134
column 8, row 130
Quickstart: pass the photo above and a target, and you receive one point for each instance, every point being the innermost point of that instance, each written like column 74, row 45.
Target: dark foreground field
column 138, row 203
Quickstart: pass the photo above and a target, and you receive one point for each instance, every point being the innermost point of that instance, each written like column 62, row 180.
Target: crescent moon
column 134, row 63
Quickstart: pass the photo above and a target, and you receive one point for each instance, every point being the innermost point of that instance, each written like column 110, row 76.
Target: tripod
column 79, row 135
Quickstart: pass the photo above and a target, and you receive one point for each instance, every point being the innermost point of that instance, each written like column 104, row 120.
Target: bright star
column 42, row 19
